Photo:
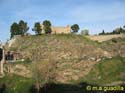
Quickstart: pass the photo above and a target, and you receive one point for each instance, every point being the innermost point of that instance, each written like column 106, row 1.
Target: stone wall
column 59, row 29
column 101, row 38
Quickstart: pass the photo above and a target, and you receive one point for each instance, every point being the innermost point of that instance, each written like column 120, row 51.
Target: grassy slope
column 56, row 42
column 19, row 84
column 107, row 71
column 110, row 70
column 25, row 42
column 16, row 84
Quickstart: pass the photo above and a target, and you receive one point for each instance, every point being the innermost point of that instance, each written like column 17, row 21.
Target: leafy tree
column 47, row 30
column 124, row 26
column 23, row 27
column 117, row 30
column 47, row 23
column 37, row 28
column 19, row 29
column 47, row 26
column 122, row 30
column 102, row 33
column 75, row 28
column 14, row 29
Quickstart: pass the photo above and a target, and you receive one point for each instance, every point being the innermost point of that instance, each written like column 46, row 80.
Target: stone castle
column 59, row 29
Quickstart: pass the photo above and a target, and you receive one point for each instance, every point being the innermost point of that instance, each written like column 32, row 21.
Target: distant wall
column 59, row 30
column 101, row 38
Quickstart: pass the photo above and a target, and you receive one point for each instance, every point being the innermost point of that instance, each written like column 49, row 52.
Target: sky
column 94, row 15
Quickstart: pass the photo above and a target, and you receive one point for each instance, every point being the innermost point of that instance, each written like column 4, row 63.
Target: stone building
column 59, row 29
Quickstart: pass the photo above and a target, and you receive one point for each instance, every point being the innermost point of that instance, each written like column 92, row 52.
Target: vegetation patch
column 16, row 84
column 107, row 71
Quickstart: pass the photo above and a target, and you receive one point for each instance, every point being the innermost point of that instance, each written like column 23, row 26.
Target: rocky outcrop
column 18, row 69
column 74, row 55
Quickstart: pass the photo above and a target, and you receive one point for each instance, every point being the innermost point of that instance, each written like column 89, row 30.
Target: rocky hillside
column 73, row 55
column 101, row 38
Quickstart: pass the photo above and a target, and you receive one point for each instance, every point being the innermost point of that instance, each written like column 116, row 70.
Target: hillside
column 107, row 72
column 69, row 59
column 101, row 38
column 69, row 51
column 73, row 54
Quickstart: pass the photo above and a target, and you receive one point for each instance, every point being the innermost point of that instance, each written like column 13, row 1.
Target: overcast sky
column 94, row 15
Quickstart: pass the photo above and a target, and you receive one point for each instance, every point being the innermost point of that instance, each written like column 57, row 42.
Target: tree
column 122, row 30
column 85, row 32
column 44, row 72
column 102, row 33
column 23, row 27
column 47, row 30
column 14, row 29
column 37, row 28
column 75, row 28
column 124, row 26
column 19, row 29
column 47, row 26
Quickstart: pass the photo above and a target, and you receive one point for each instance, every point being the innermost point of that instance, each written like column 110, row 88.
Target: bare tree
column 43, row 71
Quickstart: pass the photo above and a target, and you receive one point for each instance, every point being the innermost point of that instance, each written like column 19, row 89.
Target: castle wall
column 59, row 30
column 101, row 38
